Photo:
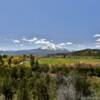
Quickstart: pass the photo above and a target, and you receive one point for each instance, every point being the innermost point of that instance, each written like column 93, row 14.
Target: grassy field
column 60, row 61
column 67, row 60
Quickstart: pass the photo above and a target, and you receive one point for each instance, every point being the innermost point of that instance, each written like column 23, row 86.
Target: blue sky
column 73, row 22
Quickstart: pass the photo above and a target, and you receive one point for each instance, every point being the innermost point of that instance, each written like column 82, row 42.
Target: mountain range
column 38, row 51
column 46, row 51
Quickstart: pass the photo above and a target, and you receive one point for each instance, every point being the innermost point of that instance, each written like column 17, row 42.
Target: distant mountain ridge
column 46, row 51
column 38, row 51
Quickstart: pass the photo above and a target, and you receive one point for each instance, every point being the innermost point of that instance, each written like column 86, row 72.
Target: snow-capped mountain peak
column 52, row 47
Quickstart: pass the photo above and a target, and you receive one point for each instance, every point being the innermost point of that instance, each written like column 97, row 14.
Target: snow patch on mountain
column 52, row 46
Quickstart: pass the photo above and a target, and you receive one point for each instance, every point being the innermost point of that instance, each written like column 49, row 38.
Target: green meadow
column 68, row 60
column 55, row 60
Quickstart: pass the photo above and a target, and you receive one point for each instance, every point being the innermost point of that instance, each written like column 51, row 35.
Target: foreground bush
column 45, row 83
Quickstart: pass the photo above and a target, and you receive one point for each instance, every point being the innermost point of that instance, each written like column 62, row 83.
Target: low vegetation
column 28, row 77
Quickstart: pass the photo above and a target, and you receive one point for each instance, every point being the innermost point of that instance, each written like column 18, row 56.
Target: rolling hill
column 85, row 52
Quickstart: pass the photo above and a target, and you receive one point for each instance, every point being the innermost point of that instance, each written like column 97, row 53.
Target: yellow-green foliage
column 95, row 83
column 69, row 60
column 20, row 59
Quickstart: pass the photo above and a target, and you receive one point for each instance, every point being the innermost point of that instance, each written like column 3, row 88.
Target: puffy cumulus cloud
column 97, row 35
column 42, row 41
column 98, row 40
column 69, row 43
column 45, row 44
column 97, row 43
column 16, row 41
column 30, row 40
column 54, row 46
column 62, row 44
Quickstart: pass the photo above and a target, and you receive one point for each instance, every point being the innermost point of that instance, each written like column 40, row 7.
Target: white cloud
column 97, row 35
column 42, row 41
column 45, row 44
column 62, row 44
column 69, row 43
column 30, row 40
column 16, row 41
column 98, row 40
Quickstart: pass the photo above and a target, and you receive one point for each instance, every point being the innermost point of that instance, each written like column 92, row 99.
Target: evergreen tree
column 32, row 60
column 10, row 61
column 1, row 60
